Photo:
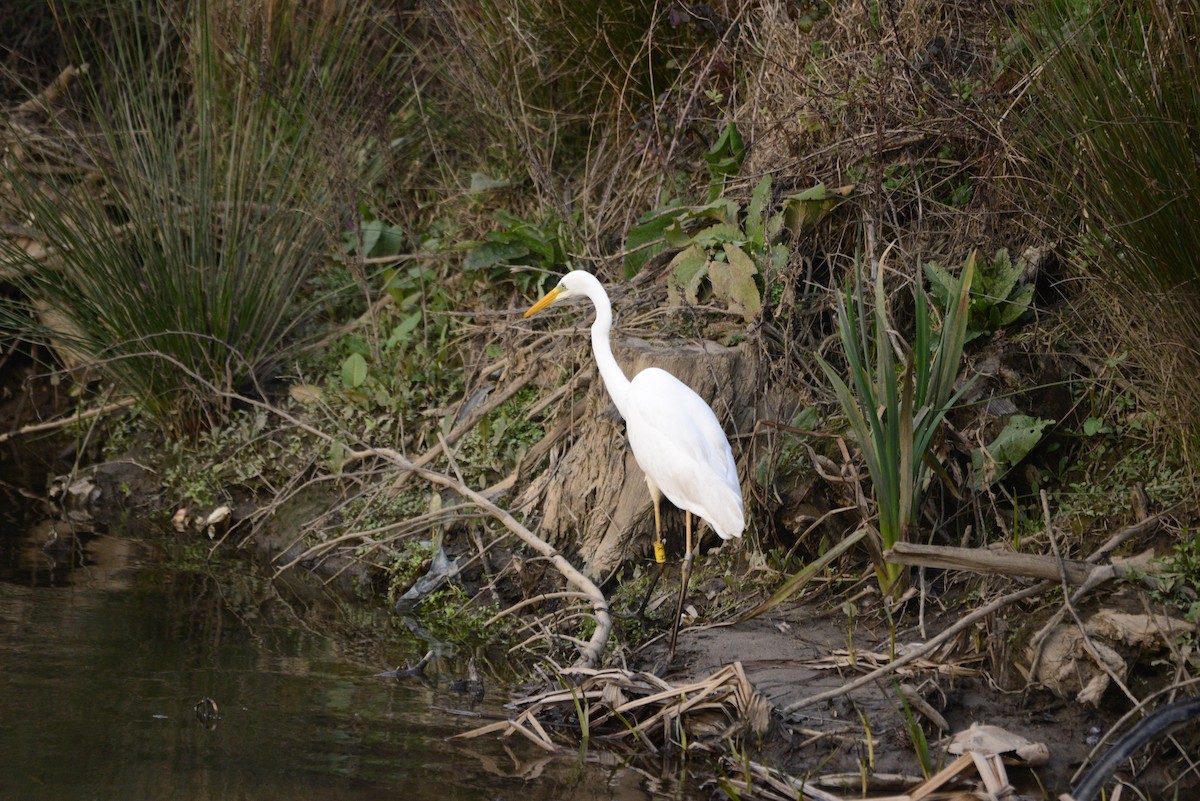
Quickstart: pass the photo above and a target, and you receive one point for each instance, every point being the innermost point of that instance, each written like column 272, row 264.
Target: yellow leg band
column 660, row 552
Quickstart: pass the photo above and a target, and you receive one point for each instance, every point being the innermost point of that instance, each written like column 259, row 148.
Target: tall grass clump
column 224, row 146
column 896, row 404
column 1115, row 133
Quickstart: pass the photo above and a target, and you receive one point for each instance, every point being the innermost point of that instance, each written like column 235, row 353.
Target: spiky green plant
column 895, row 407
column 224, row 144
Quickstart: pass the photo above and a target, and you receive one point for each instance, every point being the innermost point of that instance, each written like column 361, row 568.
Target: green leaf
column 734, row 282
column 644, row 240
column 354, row 371
column 402, row 331
column 1020, row 436
column 370, row 235
column 721, row 210
column 997, row 299
column 1016, row 305
column 675, row 236
column 1000, row 277
column 390, row 281
column 490, row 254
column 756, row 213
column 719, row 234
column 896, row 405
column 941, row 283
column 381, row 239
column 685, row 272
column 803, row 210
column 1096, row 425
column 725, row 156
column 485, row 183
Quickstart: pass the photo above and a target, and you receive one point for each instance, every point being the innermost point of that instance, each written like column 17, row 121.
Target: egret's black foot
column 640, row 615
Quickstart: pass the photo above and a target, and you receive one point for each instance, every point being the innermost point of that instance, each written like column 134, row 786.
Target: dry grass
column 642, row 710
column 900, row 106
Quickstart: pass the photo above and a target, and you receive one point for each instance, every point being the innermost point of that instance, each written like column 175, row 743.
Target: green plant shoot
column 895, row 409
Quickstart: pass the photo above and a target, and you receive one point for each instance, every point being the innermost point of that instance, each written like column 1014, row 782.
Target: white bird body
column 674, row 435
column 678, row 443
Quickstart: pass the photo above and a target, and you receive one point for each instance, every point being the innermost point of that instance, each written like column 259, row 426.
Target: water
column 105, row 654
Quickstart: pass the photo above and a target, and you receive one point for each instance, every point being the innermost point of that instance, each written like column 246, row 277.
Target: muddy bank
column 816, row 643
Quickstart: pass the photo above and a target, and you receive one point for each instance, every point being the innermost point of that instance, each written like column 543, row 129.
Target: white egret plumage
column 675, row 436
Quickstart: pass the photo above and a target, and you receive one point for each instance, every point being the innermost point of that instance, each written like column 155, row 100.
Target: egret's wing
column 678, row 442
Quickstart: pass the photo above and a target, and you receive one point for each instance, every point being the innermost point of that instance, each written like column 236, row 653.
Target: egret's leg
column 686, row 574
column 660, row 552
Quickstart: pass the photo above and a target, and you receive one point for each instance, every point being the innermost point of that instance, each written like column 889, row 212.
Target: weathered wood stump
column 596, row 500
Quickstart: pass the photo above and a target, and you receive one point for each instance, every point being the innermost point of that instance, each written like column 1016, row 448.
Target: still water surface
column 105, row 653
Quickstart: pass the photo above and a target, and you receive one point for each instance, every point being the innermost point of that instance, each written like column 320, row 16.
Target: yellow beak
column 546, row 300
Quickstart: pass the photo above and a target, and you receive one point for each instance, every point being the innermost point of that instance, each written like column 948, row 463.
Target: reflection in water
column 105, row 655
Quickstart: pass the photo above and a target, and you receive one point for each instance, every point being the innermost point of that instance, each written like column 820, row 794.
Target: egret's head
column 573, row 285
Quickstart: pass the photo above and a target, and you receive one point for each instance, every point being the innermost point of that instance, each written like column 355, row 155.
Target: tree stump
column 596, row 498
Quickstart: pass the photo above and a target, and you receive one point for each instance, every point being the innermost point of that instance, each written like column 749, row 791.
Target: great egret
column 675, row 436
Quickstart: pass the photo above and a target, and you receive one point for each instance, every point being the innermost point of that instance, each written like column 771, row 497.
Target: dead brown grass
column 900, row 104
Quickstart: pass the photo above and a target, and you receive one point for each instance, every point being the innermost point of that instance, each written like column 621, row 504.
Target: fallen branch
column 925, row 649
column 537, row 599
column 537, row 451
column 1095, row 578
column 1096, row 575
column 62, row 422
column 983, row 560
column 593, row 651
column 462, row 428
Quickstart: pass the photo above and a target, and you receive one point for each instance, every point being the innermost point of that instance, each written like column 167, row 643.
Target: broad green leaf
column 725, row 156
column 370, row 235
column 645, row 238
column 756, row 213
column 338, row 453
column 719, row 234
column 774, row 227
column 941, row 283
column 779, row 257
column 685, row 272
column 490, row 254
column 1011, row 310
column 803, row 210
column 808, row 417
column 1001, row 276
column 734, row 282
column 354, row 371
column 400, row 333
column 390, row 279
column 381, row 239
column 675, row 236
column 1020, row 436
column 721, row 210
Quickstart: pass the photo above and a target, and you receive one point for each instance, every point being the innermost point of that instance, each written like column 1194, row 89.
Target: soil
column 786, row 656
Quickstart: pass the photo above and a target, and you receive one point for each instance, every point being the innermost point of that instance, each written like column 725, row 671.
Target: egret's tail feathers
column 726, row 516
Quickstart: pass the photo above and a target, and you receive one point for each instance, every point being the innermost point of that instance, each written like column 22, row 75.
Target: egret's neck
column 614, row 378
